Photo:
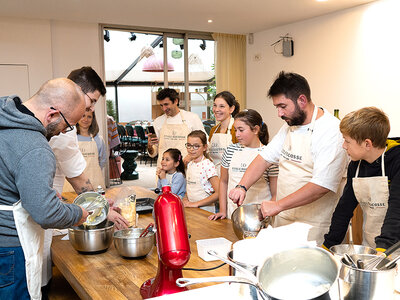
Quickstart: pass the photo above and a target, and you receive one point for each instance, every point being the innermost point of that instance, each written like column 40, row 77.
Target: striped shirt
column 272, row 171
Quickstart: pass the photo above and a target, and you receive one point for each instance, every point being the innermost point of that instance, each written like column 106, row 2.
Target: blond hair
column 367, row 123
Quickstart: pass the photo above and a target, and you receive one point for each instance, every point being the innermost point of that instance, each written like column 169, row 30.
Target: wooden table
column 109, row 276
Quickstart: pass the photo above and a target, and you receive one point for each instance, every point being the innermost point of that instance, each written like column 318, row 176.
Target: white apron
column 259, row 191
column 92, row 170
column 173, row 136
column 373, row 194
column 194, row 188
column 218, row 143
column 295, row 170
column 31, row 237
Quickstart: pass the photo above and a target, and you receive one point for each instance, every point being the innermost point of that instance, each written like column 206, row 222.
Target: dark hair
column 252, row 118
column 176, row 155
column 168, row 93
column 93, row 128
column 230, row 99
column 88, row 80
column 203, row 138
column 292, row 85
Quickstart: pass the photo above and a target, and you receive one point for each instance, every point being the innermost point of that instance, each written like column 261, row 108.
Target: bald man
column 28, row 202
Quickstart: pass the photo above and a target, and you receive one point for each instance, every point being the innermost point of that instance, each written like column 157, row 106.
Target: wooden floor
column 60, row 288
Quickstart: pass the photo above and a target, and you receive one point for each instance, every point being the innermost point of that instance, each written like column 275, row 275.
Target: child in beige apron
column 218, row 144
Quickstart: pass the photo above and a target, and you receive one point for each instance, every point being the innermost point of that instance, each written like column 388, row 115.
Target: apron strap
column 6, row 207
column 382, row 165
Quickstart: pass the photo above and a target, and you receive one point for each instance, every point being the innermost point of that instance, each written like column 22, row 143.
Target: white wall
column 51, row 49
column 350, row 59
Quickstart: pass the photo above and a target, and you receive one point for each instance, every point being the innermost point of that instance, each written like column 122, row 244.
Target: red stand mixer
column 172, row 245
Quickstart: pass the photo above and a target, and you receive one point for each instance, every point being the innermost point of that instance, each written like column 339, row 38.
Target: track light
column 203, row 45
column 181, row 46
column 132, row 37
column 107, row 36
column 161, row 45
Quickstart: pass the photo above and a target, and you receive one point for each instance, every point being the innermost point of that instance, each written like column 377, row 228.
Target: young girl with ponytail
column 252, row 134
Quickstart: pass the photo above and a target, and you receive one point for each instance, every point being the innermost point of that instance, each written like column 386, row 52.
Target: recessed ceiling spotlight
column 322, row 0
column 210, row 21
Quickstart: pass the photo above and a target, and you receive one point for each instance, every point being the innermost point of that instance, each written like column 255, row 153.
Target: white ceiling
column 229, row 16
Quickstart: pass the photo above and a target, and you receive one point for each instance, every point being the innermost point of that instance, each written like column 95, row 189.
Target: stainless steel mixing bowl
column 247, row 220
column 96, row 239
column 94, row 203
column 129, row 244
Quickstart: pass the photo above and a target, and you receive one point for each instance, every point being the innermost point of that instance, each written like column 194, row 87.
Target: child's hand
column 162, row 174
column 217, row 216
column 187, row 203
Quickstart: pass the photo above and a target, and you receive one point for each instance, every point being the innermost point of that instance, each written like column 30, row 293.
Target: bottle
column 336, row 113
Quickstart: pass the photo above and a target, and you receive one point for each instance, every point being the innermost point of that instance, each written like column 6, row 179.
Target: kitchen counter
column 107, row 275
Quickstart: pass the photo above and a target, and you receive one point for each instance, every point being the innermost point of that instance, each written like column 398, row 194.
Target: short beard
column 298, row 117
column 52, row 129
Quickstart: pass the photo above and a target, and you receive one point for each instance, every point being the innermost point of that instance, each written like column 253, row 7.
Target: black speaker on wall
column 287, row 47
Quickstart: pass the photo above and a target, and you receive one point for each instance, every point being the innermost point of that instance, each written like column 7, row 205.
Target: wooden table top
column 109, row 276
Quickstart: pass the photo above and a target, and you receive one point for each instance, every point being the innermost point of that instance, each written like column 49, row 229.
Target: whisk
column 351, row 242
column 375, row 263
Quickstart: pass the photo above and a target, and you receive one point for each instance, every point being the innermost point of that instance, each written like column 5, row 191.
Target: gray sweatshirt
column 27, row 168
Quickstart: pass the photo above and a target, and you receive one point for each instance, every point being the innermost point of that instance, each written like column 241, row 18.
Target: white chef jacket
column 192, row 120
column 70, row 161
column 330, row 159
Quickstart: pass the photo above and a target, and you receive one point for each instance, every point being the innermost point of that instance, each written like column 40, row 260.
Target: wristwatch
column 241, row 187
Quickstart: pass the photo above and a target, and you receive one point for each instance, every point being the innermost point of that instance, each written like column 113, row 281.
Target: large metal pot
column 129, row 244
column 91, row 240
column 300, row 273
column 361, row 284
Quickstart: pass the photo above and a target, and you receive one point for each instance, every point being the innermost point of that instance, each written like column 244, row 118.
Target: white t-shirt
column 191, row 120
column 70, row 161
column 330, row 159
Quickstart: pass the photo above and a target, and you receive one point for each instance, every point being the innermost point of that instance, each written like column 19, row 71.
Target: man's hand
column 152, row 140
column 85, row 214
column 237, row 195
column 217, row 216
column 270, row 208
column 119, row 221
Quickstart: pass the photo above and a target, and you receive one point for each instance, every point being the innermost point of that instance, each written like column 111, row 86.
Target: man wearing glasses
column 28, row 202
column 70, row 161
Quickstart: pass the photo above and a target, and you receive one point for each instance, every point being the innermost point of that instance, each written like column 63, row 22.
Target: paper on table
column 65, row 238
column 270, row 241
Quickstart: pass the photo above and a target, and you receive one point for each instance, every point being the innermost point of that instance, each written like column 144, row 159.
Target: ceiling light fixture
column 210, row 21
column 203, row 45
column 132, row 37
column 107, row 36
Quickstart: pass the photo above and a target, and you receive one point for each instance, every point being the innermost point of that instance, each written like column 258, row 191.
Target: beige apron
column 173, row 136
column 295, row 170
column 259, row 191
column 92, row 170
column 219, row 142
column 194, row 188
column 373, row 194
column 31, row 237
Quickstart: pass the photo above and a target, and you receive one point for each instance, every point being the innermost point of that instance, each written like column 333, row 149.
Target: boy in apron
column 373, row 180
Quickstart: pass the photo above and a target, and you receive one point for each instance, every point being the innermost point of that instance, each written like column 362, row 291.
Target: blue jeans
column 12, row 274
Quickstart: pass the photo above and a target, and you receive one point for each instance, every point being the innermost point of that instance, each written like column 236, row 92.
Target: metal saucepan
column 300, row 273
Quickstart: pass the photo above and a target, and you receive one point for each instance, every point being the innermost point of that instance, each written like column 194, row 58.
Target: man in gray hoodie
column 28, row 202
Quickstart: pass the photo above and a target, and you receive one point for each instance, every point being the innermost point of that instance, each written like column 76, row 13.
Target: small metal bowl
column 129, row 244
column 347, row 248
column 247, row 220
column 96, row 239
column 86, row 199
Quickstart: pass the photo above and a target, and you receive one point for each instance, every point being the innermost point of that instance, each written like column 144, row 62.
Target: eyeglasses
column 69, row 126
column 92, row 101
column 195, row 147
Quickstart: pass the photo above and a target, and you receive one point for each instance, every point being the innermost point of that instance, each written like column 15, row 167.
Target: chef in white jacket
column 312, row 163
